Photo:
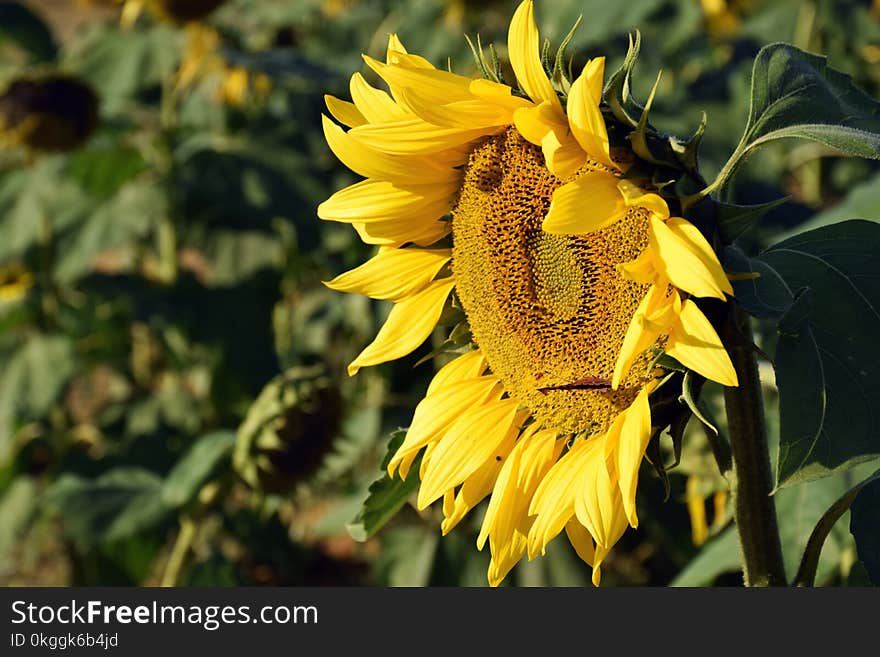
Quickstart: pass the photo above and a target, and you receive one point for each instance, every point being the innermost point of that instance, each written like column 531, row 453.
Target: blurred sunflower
column 573, row 280
column 53, row 112
column 177, row 11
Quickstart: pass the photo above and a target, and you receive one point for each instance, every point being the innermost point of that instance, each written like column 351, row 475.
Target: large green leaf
column 865, row 527
column 822, row 288
column 796, row 94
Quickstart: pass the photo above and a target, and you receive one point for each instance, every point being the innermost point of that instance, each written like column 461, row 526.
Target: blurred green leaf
column 407, row 556
column 27, row 30
column 862, row 202
column 865, row 527
column 806, row 573
column 33, row 378
column 129, row 215
column 102, row 169
column 196, row 467
column 798, row 509
column 17, row 507
column 116, row 505
column 827, row 364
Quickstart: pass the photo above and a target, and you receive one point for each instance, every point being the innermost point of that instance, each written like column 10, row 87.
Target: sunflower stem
column 754, row 508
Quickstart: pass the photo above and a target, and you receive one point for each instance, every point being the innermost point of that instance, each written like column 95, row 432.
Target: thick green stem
column 754, row 508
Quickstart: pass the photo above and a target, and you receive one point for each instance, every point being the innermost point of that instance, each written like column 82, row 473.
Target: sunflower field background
column 174, row 407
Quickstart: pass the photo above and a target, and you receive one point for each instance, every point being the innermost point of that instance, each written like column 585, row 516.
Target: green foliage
column 820, row 289
column 865, row 527
column 174, row 266
column 796, row 94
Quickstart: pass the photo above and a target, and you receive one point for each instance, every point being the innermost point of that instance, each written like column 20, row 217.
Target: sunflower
column 572, row 272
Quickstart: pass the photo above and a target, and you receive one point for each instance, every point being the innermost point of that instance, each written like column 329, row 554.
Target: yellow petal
column 696, row 345
column 639, row 336
column 641, row 270
column 524, row 50
column 393, row 274
column 687, row 259
column 436, row 414
column 408, row 324
column 379, row 200
column 374, row 104
column 585, row 205
column 468, row 444
column 563, row 158
column 413, row 136
column 370, row 163
column 397, row 232
column 553, row 501
column 584, row 115
column 581, row 541
column 598, row 504
column 467, row 366
column 462, row 114
column 632, row 442
column 344, row 112
column 432, row 85
column 519, row 478
column 478, row 485
column 635, row 196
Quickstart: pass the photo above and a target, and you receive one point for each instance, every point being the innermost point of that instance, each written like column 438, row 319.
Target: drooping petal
column 517, row 481
column 379, row 200
column 587, row 204
column 478, row 485
column 635, row 196
column 393, row 274
column 563, row 158
column 437, row 412
column 581, row 541
column 597, row 499
column 632, row 442
column 524, row 50
column 687, row 259
column 553, row 501
column 408, row 324
column 696, row 345
column 584, row 115
column 468, row 444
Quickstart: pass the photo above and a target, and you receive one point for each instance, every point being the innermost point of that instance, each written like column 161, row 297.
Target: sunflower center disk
column 549, row 312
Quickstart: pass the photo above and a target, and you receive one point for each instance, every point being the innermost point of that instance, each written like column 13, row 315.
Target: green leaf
column 798, row 509
column 18, row 505
column 196, row 467
column 796, row 94
column 407, row 556
column 827, row 362
column 386, row 495
column 807, row 572
column 865, row 527
column 735, row 220
column 27, row 30
column 116, row 505
column 33, row 378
